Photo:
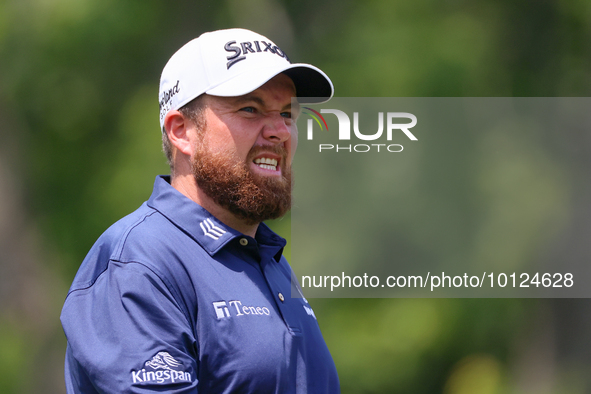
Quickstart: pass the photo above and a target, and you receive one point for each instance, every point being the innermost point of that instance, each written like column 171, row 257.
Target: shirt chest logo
column 235, row 308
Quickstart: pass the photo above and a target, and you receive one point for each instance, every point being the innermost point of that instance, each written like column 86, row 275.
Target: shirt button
column 243, row 241
column 281, row 297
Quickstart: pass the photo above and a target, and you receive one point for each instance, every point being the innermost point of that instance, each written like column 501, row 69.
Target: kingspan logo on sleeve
column 161, row 369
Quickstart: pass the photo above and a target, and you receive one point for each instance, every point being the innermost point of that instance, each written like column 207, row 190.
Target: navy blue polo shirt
column 171, row 299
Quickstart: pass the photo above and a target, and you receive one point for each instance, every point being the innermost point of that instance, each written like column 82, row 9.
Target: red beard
column 231, row 184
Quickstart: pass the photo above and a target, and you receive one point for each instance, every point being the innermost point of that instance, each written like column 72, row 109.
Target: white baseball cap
column 233, row 62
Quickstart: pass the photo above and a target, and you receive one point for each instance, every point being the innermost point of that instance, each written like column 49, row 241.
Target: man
column 190, row 293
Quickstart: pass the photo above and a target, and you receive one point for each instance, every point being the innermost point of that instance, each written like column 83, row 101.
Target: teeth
column 265, row 162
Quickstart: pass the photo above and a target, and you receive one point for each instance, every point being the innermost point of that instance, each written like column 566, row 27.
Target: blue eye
column 286, row 115
column 248, row 109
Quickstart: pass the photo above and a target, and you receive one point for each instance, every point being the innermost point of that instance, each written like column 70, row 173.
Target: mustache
column 276, row 149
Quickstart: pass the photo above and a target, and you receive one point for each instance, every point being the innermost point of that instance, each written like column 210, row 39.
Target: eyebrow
column 250, row 98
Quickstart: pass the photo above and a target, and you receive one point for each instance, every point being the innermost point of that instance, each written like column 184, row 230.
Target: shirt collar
column 196, row 221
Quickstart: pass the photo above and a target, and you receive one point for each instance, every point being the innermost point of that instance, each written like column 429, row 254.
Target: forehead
column 277, row 91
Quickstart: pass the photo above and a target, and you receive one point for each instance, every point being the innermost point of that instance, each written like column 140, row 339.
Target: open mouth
column 266, row 163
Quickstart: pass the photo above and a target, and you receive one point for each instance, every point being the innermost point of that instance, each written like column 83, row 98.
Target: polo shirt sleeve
column 127, row 334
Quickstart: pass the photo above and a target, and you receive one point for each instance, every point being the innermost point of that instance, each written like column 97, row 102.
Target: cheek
column 243, row 145
column 221, row 138
column 241, row 137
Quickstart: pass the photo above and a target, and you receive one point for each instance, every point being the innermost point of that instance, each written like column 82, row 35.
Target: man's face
column 243, row 156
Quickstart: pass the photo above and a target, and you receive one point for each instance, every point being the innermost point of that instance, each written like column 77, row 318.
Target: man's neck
column 186, row 185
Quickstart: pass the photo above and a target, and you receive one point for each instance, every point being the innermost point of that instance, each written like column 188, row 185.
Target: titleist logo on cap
column 246, row 48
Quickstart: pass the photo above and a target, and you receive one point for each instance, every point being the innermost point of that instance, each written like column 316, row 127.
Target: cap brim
column 310, row 82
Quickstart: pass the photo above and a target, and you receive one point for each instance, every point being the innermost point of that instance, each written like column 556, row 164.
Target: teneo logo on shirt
column 222, row 309
column 161, row 369
column 394, row 123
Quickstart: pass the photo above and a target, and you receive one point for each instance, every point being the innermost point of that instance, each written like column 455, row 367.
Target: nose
column 277, row 128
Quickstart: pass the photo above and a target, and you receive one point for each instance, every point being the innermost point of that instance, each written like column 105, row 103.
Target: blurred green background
column 80, row 147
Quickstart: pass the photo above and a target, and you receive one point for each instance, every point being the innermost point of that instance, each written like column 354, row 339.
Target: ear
column 178, row 129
